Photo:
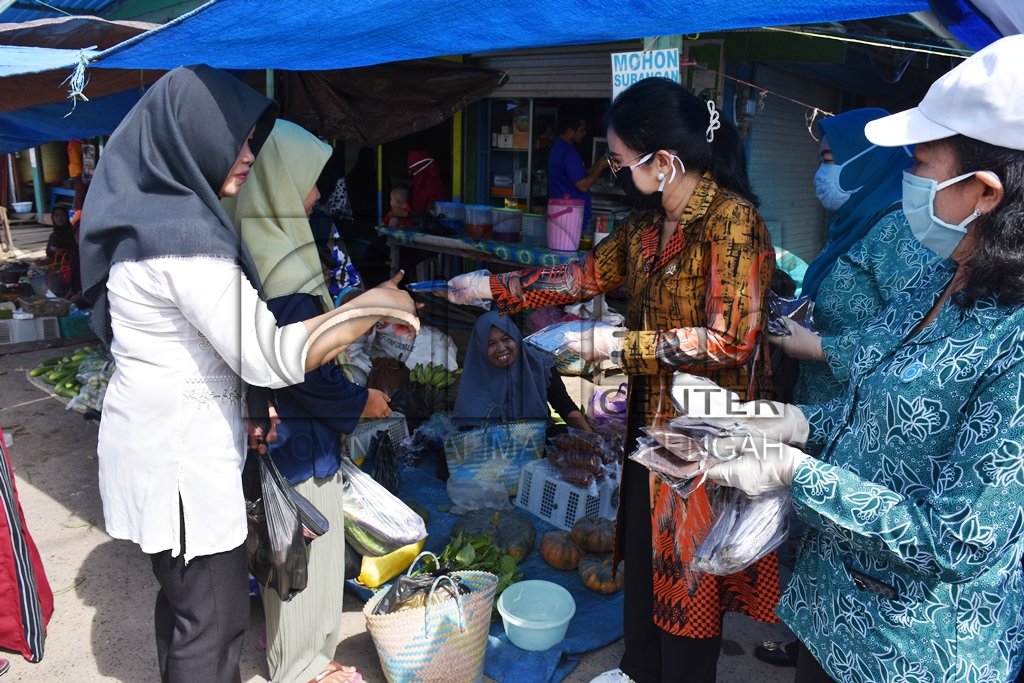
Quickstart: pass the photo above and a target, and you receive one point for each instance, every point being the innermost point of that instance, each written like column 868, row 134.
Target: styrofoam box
column 545, row 494
column 13, row 331
column 47, row 327
column 360, row 438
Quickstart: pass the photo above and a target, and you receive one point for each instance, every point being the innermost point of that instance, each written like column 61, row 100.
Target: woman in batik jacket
column 697, row 265
column 911, row 568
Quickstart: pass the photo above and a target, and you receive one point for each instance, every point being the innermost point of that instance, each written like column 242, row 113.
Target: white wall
column 784, row 157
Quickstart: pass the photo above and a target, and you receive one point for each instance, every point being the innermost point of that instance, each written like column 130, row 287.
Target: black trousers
column 652, row 655
column 201, row 613
column 807, row 668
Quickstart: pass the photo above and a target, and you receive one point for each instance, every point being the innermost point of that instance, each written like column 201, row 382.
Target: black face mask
column 634, row 196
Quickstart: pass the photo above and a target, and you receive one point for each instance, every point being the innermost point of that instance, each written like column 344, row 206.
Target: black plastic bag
column 275, row 544
column 385, row 462
column 413, row 591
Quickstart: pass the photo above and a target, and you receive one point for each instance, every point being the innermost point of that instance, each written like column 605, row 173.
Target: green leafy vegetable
column 477, row 553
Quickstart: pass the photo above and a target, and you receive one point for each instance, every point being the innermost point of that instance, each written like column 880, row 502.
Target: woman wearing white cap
column 911, row 568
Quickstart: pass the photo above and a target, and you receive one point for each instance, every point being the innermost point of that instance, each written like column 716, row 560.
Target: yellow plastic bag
column 376, row 571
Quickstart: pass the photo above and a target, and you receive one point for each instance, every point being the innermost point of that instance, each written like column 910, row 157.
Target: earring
column 660, row 176
column 977, row 213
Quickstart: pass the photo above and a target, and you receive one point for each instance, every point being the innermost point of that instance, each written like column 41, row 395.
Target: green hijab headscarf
column 271, row 218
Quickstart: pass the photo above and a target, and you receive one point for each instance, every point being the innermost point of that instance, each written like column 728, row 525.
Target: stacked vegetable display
column 61, row 372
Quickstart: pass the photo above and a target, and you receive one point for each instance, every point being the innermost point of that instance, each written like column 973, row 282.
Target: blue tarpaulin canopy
column 980, row 22
column 312, row 35
column 29, row 127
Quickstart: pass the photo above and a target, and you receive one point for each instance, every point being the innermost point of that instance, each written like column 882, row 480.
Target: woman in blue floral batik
column 870, row 255
column 911, row 568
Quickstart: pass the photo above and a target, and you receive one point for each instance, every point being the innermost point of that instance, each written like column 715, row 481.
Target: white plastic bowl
column 21, row 207
column 536, row 614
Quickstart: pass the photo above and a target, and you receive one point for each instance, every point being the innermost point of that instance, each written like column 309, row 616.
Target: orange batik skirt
column 689, row 603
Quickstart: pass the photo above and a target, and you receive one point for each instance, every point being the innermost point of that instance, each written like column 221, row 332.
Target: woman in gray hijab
column 176, row 298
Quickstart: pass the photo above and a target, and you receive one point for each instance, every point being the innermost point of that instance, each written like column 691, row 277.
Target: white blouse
column 185, row 330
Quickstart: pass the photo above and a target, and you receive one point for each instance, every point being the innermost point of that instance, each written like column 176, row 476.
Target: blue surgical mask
column 827, row 187
column 919, row 208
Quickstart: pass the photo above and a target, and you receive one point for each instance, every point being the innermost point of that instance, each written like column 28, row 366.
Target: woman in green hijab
column 272, row 214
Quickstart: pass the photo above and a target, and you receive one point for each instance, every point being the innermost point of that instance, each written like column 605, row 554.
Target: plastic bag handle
column 437, row 562
column 430, row 599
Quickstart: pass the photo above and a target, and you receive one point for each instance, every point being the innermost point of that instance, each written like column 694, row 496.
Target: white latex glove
column 598, row 343
column 762, row 466
column 702, row 400
column 471, row 289
column 799, row 343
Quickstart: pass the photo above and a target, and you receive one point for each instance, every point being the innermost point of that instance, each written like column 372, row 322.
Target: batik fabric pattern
column 911, row 568
column 861, row 284
column 699, row 307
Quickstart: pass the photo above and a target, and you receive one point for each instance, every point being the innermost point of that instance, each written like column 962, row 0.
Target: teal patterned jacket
column 861, row 284
column 910, row 571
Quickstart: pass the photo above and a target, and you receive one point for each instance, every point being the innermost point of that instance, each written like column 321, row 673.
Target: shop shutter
column 557, row 72
column 783, row 159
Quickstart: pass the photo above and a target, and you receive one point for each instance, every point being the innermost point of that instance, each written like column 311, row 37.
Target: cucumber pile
column 61, row 371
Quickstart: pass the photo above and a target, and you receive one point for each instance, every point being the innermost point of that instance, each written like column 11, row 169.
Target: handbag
column 495, row 452
column 280, row 520
column 445, row 639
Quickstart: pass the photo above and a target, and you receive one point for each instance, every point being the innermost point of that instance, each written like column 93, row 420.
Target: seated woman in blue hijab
column 504, row 379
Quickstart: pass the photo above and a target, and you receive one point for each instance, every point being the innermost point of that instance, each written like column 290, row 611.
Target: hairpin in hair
column 713, row 122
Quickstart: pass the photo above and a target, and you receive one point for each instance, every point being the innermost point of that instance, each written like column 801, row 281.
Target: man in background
column 568, row 176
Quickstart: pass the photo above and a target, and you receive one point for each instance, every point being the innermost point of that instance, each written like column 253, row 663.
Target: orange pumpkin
column 559, row 551
column 596, row 574
column 594, row 534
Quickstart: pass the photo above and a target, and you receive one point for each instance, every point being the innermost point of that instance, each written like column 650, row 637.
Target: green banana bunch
column 433, row 375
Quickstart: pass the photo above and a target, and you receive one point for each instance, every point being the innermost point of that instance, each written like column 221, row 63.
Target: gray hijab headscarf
column 155, row 191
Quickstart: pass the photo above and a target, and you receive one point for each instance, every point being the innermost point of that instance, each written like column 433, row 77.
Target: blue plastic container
column 536, row 614
column 452, row 214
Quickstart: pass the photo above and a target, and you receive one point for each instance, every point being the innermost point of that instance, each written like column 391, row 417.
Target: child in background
column 398, row 216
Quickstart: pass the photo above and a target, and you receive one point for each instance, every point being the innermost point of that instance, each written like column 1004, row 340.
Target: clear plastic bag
column 552, row 340
column 474, row 494
column 582, row 458
column 376, row 522
column 745, row 529
column 93, row 374
column 799, row 309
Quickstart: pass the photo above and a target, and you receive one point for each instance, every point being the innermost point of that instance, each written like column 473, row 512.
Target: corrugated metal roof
column 30, row 10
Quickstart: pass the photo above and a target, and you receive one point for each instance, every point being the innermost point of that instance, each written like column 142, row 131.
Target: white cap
column 982, row 98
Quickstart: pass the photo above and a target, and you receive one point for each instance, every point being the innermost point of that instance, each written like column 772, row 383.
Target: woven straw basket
column 442, row 642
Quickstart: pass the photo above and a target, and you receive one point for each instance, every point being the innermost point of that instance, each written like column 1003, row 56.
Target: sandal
column 5, row 664
column 334, row 667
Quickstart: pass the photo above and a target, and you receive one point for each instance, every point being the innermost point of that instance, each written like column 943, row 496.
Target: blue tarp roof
column 35, row 125
column 307, row 35
column 313, row 35
column 978, row 23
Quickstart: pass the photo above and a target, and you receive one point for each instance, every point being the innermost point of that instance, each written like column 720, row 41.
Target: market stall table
column 598, row 618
